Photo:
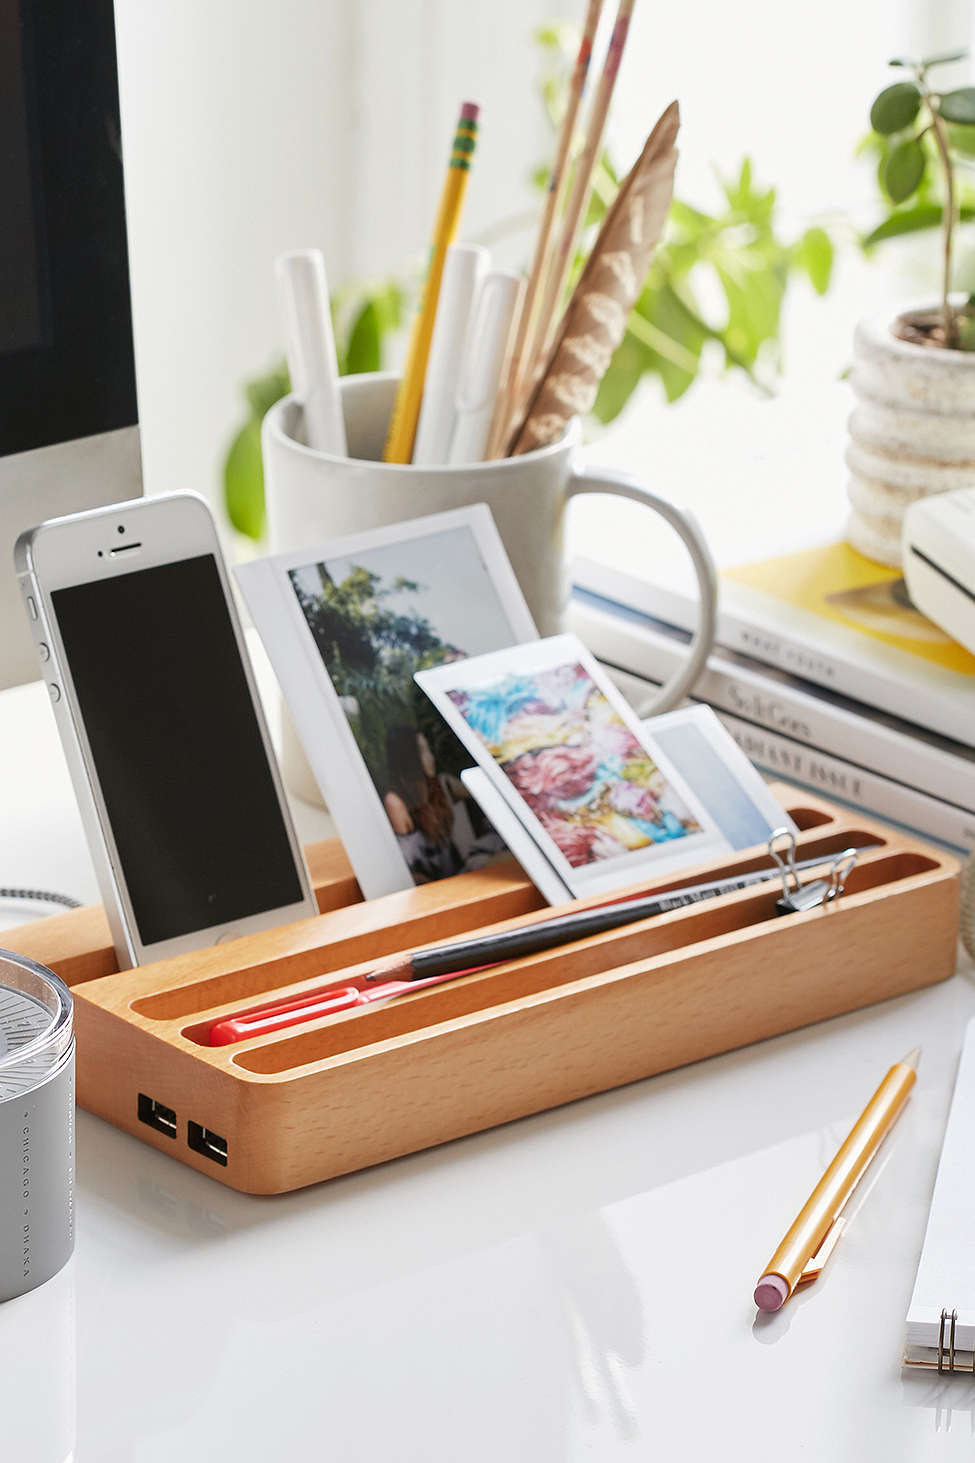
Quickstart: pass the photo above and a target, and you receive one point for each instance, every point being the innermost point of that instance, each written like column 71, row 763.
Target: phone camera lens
column 121, row 528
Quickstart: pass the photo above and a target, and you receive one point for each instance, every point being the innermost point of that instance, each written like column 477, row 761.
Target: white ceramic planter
column 912, row 432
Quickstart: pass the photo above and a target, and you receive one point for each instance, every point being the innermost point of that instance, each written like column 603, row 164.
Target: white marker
column 462, row 268
column 311, row 348
column 485, row 354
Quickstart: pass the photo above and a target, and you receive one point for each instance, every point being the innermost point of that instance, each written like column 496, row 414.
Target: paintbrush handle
column 545, row 322
column 521, row 349
column 549, row 934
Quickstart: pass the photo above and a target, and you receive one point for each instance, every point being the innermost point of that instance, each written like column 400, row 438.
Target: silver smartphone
column 155, row 701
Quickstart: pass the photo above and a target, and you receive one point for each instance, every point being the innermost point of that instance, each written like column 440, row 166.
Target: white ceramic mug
column 313, row 497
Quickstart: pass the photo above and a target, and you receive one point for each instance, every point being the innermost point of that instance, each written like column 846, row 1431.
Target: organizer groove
column 277, row 1112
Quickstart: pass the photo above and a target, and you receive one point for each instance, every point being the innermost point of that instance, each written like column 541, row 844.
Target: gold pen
column 812, row 1236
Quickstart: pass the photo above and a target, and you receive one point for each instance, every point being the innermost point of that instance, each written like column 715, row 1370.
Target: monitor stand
column 49, row 483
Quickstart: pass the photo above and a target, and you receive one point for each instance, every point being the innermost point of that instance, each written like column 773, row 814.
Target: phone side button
column 31, row 607
column 55, row 691
column 44, row 651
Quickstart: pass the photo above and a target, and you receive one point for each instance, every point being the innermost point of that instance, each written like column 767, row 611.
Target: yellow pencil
column 406, row 410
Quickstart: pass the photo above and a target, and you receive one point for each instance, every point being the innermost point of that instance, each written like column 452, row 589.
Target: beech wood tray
column 278, row 1112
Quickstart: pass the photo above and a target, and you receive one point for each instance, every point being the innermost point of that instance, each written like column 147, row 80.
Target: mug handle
column 602, row 480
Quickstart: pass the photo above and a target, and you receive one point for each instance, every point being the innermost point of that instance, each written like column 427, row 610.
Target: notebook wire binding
column 951, row 1367
column 946, row 1357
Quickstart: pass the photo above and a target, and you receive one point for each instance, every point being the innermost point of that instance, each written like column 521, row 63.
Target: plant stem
column 941, row 143
column 648, row 334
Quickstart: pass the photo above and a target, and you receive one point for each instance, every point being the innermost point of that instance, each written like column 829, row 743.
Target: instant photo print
column 346, row 625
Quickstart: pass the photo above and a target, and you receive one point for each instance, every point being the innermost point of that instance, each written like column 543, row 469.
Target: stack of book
column 824, row 673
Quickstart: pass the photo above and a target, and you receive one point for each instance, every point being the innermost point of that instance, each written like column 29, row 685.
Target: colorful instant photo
column 608, row 802
column 346, row 624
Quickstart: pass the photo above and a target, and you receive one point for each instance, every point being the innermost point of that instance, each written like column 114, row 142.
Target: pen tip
column 912, row 1059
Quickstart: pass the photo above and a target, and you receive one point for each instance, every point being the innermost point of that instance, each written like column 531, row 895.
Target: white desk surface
column 573, row 1286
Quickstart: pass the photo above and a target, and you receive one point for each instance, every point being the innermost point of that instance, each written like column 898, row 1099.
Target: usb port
column 211, row 1145
column 156, row 1115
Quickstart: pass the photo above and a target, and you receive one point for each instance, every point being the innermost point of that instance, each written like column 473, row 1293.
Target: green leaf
column 265, row 390
column 905, row 221
column 870, row 144
column 958, row 106
column 903, row 61
column 943, row 59
column 662, row 337
column 912, row 221
column 243, row 481
column 903, row 170
column 667, row 314
column 692, row 220
column 756, row 204
column 895, row 108
column 961, row 140
column 389, row 300
column 559, row 36
column 814, row 254
column 364, row 351
column 754, row 297
column 928, row 190
column 630, row 362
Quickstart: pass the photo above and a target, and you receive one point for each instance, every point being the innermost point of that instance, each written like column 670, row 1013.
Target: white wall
column 788, row 83
column 414, row 62
column 234, row 121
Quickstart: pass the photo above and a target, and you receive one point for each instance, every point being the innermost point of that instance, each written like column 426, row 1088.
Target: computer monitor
column 69, row 436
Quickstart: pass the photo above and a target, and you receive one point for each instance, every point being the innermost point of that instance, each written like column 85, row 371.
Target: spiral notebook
column 941, row 1318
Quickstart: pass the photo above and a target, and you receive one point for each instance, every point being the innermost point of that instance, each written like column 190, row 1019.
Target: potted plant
column 912, row 431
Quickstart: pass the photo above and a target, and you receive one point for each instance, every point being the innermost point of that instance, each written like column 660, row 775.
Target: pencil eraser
column 771, row 1292
column 469, row 112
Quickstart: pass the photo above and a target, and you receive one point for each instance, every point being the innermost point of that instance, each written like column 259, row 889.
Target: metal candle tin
column 36, row 1124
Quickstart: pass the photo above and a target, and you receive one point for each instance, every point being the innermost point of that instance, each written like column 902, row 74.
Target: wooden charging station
column 278, row 1112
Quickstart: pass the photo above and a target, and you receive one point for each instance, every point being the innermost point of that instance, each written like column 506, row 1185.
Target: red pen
column 308, row 1007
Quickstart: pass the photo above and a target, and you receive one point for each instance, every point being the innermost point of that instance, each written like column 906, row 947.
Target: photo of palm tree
column 376, row 618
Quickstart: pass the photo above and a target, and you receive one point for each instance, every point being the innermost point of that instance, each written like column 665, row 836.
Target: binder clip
column 796, row 898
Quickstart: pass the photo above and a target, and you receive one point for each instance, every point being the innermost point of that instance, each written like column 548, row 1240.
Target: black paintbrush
column 459, row 956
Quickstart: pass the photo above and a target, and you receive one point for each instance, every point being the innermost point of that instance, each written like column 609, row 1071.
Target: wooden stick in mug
column 548, row 312
column 558, row 178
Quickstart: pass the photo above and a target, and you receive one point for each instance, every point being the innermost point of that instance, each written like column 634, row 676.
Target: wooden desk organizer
column 347, row 1091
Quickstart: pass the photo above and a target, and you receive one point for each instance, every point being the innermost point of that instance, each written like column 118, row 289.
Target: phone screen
column 177, row 748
